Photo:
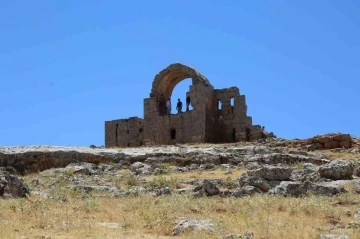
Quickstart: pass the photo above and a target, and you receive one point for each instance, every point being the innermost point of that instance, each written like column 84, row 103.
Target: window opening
column 173, row 134
column 234, row 134
column 127, row 131
column 141, row 130
column 128, row 144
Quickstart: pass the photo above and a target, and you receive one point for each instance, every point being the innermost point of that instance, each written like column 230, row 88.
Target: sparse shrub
column 90, row 204
column 165, row 168
column 126, row 179
column 161, row 182
column 229, row 183
column 298, row 165
column 68, row 172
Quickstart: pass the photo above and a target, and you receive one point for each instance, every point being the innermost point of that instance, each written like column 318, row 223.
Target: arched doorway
column 165, row 82
column 181, row 92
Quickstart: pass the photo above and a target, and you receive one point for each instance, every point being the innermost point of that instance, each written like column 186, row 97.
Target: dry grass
column 77, row 214
column 266, row 216
column 214, row 174
column 339, row 155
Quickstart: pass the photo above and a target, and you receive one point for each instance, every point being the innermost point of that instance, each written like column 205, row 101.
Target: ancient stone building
column 217, row 115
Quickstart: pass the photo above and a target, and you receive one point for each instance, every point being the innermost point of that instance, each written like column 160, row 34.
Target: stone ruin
column 213, row 118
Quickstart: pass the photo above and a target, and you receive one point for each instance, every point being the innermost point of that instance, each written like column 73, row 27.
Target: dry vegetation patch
column 267, row 216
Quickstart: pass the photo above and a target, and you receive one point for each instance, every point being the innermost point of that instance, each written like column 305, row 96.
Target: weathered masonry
column 217, row 115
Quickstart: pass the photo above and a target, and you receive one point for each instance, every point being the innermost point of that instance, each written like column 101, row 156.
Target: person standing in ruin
column 168, row 106
column 187, row 103
column 179, row 106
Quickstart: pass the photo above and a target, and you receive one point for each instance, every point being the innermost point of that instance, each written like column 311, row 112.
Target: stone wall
column 330, row 141
column 185, row 127
column 205, row 123
column 124, row 132
column 231, row 116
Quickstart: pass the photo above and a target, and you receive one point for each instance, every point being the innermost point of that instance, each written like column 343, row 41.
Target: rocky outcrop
column 208, row 188
column 333, row 236
column 11, row 186
column 309, row 172
column 257, row 182
column 30, row 160
column 330, row 141
column 270, row 172
column 287, row 188
column 192, row 224
column 319, row 142
column 285, row 181
column 357, row 171
column 337, row 170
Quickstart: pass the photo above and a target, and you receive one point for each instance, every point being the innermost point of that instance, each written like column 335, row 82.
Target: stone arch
column 166, row 80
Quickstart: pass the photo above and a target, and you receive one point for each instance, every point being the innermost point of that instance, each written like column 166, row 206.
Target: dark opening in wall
column 127, row 131
column 128, row 144
column 234, row 134
column 140, row 143
column 116, row 134
column 173, row 134
column 141, row 130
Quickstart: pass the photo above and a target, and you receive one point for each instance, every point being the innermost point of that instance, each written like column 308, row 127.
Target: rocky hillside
column 288, row 167
column 325, row 165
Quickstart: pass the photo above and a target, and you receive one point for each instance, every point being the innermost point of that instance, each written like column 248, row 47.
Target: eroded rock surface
column 337, row 170
column 193, row 224
column 273, row 170
column 11, row 186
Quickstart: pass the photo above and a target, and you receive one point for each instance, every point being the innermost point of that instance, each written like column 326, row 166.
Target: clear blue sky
column 67, row 66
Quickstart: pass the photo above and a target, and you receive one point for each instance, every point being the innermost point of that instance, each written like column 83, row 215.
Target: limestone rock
column 254, row 181
column 287, row 188
column 270, row 172
column 245, row 235
column 250, row 190
column 12, row 186
column 357, row 171
column 309, row 172
column 82, row 168
column 257, row 149
column 182, row 225
column 210, row 188
column 160, row 191
column 326, row 188
column 140, row 168
column 238, row 193
column 337, row 170
column 333, row 236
